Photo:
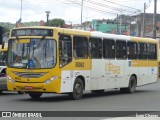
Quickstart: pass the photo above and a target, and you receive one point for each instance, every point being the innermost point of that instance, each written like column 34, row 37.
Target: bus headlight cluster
column 51, row 79
column 10, row 79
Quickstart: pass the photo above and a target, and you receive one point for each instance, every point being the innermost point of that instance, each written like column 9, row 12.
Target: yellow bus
column 58, row 60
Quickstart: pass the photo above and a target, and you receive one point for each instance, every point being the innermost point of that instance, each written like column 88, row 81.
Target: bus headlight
column 49, row 80
column 10, row 79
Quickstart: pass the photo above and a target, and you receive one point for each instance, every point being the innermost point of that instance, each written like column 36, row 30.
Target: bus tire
column 97, row 91
column 132, row 85
column 35, row 95
column 77, row 89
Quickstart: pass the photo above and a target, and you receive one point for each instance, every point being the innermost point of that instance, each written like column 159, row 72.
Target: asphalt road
column 146, row 98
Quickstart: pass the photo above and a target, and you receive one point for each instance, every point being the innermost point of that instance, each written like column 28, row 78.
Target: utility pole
column 130, row 27
column 21, row 11
column 81, row 11
column 144, row 20
column 154, row 19
column 120, row 25
column 117, row 24
column 47, row 15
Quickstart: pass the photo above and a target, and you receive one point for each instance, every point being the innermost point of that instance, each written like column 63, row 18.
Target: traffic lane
column 145, row 98
column 3, row 83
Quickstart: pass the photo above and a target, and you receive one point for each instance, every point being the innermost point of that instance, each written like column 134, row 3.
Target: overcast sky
column 70, row 10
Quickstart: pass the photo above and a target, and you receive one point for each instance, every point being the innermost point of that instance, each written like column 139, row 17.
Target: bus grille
column 29, row 75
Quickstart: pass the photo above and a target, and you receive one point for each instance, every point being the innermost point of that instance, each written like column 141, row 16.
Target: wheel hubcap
column 77, row 89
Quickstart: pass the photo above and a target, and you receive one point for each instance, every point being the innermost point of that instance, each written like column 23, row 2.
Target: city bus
column 68, row 61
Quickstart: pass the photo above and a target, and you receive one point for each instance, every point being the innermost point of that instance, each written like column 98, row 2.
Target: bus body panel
column 97, row 75
column 22, row 79
column 77, row 68
column 68, row 79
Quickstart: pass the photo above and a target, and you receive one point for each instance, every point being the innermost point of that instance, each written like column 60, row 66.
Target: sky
column 70, row 10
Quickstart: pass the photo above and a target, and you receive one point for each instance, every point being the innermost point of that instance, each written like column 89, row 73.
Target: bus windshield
column 32, row 53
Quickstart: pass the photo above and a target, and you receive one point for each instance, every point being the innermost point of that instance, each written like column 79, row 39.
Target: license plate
column 28, row 87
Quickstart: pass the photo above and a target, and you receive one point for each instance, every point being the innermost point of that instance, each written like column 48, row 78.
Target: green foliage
column 4, row 29
column 56, row 23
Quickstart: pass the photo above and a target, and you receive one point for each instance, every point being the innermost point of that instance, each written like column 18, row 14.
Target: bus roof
column 109, row 36
column 94, row 34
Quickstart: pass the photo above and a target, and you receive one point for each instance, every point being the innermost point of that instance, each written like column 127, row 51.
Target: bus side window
column 142, row 50
column 132, row 50
column 152, row 52
column 109, row 48
column 121, row 49
column 65, row 49
column 80, row 47
column 96, row 48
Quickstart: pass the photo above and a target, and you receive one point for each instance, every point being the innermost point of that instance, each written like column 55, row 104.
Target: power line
column 100, row 6
column 147, row 6
column 109, row 7
column 103, row 7
column 92, row 6
column 122, row 5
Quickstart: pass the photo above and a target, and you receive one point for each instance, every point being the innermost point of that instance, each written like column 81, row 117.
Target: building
column 26, row 24
column 148, row 24
column 110, row 26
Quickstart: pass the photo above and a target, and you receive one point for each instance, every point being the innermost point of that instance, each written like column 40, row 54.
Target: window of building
column 65, row 49
column 95, row 46
column 142, row 51
column 80, row 47
column 108, row 48
column 132, row 50
column 121, row 51
column 152, row 52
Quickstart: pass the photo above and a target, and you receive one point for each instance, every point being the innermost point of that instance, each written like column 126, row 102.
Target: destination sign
column 32, row 32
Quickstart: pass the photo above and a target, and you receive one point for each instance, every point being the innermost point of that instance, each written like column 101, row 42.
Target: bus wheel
column 132, row 85
column 35, row 95
column 77, row 89
column 97, row 91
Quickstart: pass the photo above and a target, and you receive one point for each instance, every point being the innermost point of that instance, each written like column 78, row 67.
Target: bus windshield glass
column 32, row 53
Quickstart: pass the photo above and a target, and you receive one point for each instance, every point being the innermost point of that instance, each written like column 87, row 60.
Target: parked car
column 3, row 78
column 3, row 85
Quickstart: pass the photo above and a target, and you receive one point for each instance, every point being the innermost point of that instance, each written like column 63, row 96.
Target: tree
column 2, row 31
column 57, row 22
column 5, row 29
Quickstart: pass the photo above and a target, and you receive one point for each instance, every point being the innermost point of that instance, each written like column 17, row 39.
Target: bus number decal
column 79, row 64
